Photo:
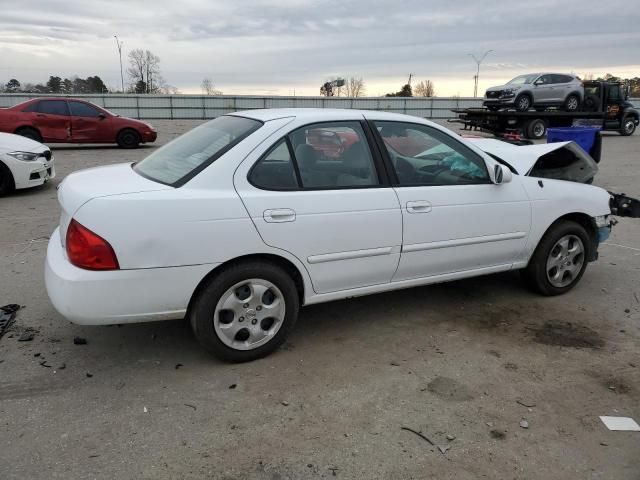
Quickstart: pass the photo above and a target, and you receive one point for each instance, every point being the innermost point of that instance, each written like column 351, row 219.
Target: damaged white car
column 24, row 163
column 241, row 221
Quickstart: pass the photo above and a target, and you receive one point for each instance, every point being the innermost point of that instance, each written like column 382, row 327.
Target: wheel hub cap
column 249, row 314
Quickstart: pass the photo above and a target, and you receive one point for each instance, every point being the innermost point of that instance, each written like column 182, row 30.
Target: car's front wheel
column 523, row 103
column 245, row 312
column 128, row 138
column 7, row 184
column 560, row 259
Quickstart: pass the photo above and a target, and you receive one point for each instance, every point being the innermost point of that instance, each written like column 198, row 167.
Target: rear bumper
column 90, row 297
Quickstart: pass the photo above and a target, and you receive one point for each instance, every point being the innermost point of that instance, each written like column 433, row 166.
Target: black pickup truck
column 605, row 104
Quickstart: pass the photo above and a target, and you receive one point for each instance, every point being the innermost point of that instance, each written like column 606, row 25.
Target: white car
column 24, row 163
column 239, row 222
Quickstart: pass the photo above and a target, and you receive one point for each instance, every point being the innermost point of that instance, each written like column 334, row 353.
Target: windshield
column 183, row 158
column 523, row 79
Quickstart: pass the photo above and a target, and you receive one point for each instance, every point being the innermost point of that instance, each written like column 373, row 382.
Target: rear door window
column 53, row 107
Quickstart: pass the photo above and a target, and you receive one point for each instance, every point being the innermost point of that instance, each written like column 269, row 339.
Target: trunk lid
column 80, row 187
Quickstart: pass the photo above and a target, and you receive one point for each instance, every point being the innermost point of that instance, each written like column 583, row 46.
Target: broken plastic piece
column 625, row 424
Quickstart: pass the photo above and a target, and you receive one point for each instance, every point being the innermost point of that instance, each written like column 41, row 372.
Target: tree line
column 57, row 84
column 355, row 87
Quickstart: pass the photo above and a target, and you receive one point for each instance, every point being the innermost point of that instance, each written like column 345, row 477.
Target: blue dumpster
column 583, row 136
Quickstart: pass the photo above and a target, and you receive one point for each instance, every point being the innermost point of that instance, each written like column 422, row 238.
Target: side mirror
column 102, row 116
column 501, row 174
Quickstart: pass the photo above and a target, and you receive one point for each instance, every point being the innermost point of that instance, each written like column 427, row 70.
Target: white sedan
column 239, row 222
column 24, row 163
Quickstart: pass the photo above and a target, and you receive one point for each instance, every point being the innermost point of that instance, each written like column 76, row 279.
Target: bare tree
column 144, row 71
column 355, row 87
column 425, row 88
column 208, row 88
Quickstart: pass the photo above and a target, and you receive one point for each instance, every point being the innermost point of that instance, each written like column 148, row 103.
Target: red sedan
column 68, row 120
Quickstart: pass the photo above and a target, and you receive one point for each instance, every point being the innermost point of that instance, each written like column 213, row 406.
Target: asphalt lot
column 464, row 363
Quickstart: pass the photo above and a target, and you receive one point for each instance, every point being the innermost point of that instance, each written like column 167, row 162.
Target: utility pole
column 119, row 45
column 410, row 77
column 477, row 77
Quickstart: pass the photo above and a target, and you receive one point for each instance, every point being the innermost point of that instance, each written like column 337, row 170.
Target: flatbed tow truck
column 605, row 104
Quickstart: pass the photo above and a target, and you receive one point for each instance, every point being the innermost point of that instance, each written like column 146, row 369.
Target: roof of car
column 324, row 114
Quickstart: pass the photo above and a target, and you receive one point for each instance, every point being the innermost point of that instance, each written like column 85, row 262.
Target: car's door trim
column 459, row 242
column 350, row 255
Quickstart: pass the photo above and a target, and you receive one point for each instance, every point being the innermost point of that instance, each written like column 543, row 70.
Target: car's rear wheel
column 29, row 132
column 245, row 312
column 523, row 103
column 628, row 126
column 7, row 183
column 572, row 103
column 560, row 259
column 128, row 138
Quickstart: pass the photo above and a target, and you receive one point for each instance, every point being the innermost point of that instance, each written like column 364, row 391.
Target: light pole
column 478, row 62
column 119, row 45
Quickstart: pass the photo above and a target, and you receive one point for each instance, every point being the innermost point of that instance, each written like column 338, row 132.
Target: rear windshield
column 566, row 163
column 183, row 158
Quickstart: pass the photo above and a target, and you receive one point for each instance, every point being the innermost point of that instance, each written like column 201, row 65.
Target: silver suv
column 538, row 90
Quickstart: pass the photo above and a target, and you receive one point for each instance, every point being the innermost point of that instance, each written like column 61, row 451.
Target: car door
column 53, row 121
column 88, row 123
column 543, row 90
column 455, row 219
column 330, row 208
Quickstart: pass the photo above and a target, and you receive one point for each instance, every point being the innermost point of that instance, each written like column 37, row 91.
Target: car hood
column 502, row 87
column 520, row 157
column 17, row 143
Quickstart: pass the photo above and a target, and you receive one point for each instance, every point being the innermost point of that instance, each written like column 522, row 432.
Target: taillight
column 87, row 250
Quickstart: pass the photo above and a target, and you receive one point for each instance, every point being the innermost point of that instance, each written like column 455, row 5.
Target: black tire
column 128, row 138
column 628, row 126
column 535, row 129
column 7, row 184
column 535, row 274
column 31, row 133
column 204, row 305
column 523, row 102
column 572, row 103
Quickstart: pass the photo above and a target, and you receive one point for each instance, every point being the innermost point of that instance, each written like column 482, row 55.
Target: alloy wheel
column 565, row 261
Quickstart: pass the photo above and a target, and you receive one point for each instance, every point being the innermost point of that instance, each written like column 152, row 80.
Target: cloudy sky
column 278, row 46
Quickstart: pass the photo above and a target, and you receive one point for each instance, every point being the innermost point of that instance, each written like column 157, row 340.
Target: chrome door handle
column 418, row 206
column 279, row 215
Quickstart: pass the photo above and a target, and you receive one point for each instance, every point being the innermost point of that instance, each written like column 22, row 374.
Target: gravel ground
column 463, row 363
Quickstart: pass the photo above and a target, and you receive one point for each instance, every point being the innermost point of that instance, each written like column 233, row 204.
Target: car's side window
column 33, row 107
column 53, row 107
column 546, row 80
column 275, row 170
column 333, row 155
column 79, row 109
column 422, row 155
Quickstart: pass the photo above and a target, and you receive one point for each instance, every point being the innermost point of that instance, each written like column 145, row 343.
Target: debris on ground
column 7, row 317
column 333, row 470
column 178, row 365
column 526, row 403
column 190, row 406
column 232, row 386
column 26, row 336
column 144, row 409
column 420, row 434
column 621, row 424
column 286, row 404
column 44, row 364
column 443, row 448
column 524, row 424
column 451, row 438
column 89, row 374
column 500, row 435
column 79, row 341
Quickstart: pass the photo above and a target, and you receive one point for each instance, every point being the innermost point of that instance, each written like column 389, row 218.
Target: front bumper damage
column 622, row 205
